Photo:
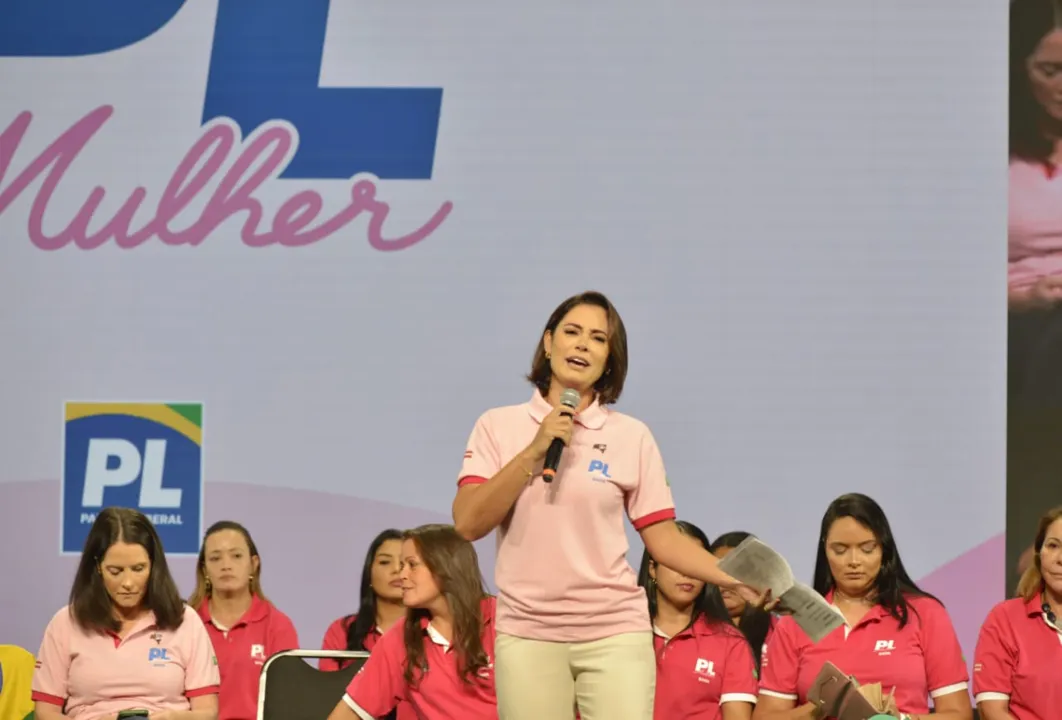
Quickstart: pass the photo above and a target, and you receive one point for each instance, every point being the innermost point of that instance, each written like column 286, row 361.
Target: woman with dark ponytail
column 380, row 607
column 704, row 666
column 381, row 601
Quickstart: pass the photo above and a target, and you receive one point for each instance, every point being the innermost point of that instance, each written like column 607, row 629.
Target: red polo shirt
column 336, row 639
column 1018, row 658
column 440, row 694
column 921, row 660
column 701, row 668
column 242, row 650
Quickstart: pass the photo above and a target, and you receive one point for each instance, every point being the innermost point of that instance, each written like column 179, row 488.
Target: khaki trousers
column 609, row 679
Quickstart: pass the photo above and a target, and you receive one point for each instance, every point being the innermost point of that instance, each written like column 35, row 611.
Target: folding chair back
column 292, row 689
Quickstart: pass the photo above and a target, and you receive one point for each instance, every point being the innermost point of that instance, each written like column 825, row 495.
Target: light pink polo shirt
column 921, row 660
column 561, row 567
column 99, row 674
column 1034, row 224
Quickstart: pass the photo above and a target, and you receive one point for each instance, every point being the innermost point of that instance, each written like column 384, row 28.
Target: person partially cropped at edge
column 440, row 659
column 380, row 608
column 1034, row 262
column 573, row 626
column 894, row 633
column 704, row 665
column 244, row 626
column 1018, row 658
column 126, row 641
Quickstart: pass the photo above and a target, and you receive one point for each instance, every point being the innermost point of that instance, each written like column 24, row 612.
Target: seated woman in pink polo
column 381, row 601
column 704, row 665
column 1019, row 650
column 755, row 623
column 894, row 633
column 573, row 628
column 126, row 641
column 440, row 660
column 243, row 625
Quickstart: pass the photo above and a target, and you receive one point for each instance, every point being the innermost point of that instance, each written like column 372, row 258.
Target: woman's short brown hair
column 1032, row 580
column 610, row 384
column 90, row 604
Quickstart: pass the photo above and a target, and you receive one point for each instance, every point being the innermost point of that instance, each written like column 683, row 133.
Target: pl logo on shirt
column 885, row 647
column 147, row 456
column 159, row 656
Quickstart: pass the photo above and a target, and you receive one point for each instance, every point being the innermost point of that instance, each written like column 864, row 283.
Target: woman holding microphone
column 573, row 626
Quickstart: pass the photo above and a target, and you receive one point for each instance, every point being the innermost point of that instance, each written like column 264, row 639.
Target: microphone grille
column 570, row 398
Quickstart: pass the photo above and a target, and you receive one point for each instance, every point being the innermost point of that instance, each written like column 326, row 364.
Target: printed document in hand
column 754, row 563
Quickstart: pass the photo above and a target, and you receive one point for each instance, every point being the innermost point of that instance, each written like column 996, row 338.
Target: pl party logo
column 264, row 117
column 147, row 456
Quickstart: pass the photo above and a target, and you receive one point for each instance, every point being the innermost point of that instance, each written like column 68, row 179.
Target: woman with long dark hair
column 126, row 641
column 380, row 606
column 440, row 659
column 244, row 626
column 704, row 665
column 894, row 633
column 754, row 622
column 573, row 627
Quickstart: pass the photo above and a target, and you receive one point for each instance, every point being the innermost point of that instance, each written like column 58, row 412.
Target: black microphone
column 569, row 399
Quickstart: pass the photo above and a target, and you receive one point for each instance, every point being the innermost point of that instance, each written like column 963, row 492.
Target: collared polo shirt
column 921, row 660
column 1034, row 223
column 699, row 669
column 440, row 693
column 242, row 650
column 561, row 566
column 1019, row 659
column 336, row 639
column 98, row 674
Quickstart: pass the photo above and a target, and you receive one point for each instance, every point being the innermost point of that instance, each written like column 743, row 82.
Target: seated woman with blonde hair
column 242, row 623
column 1019, row 650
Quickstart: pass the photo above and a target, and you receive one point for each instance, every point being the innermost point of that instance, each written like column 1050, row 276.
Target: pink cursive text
column 261, row 157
